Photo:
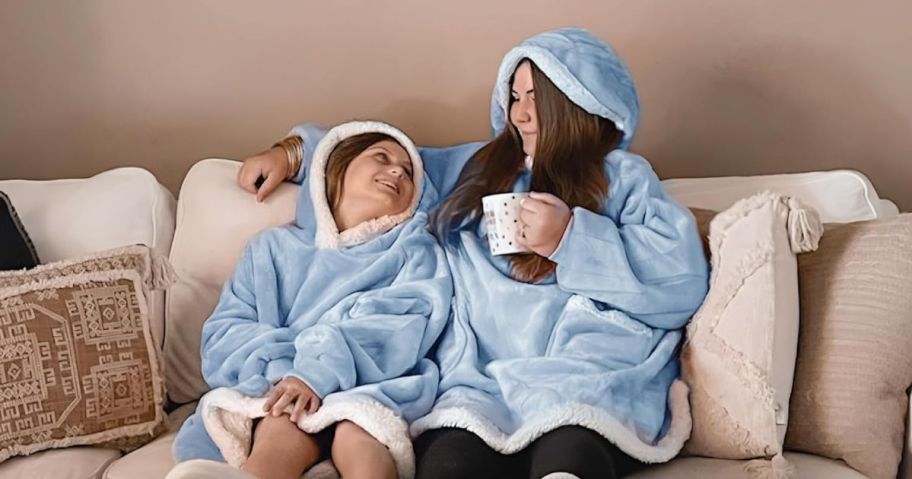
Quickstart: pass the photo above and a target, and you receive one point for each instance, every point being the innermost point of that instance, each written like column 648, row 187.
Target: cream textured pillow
column 855, row 349
column 78, row 363
column 739, row 355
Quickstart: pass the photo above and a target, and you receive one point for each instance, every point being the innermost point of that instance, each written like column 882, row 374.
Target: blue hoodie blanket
column 352, row 314
column 596, row 343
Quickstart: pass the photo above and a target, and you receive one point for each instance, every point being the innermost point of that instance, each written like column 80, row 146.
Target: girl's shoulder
column 278, row 237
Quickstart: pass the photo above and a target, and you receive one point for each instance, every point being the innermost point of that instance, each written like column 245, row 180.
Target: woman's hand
column 292, row 390
column 271, row 164
column 544, row 219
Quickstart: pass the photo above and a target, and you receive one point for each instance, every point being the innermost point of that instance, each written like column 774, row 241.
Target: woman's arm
column 272, row 165
column 641, row 255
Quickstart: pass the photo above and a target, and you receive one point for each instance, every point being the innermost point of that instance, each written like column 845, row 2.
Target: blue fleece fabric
column 596, row 343
column 354, row 322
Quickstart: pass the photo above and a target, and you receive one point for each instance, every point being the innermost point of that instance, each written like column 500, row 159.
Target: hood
column 313, row 210
column 585, row 68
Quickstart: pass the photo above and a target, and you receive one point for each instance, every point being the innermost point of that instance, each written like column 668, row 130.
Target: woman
column 310, row 361
column 563, row 359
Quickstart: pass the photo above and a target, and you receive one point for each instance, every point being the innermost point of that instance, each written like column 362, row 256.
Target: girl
column 563, row 359
column 317, row 346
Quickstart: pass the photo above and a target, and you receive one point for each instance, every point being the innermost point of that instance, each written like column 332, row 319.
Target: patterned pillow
column 739, row 355
column 78, row 364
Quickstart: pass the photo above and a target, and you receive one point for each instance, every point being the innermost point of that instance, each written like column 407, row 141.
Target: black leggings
column 452, row 453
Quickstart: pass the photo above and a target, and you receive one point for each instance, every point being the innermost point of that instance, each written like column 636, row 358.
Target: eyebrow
column 527, row 91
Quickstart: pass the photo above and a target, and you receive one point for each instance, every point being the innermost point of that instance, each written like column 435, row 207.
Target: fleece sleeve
column 641, row 254
column 243, row 344
column 384, row 334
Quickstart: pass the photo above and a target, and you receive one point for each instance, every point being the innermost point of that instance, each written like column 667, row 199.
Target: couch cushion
column 69, row 463
column 215, row 218
column 152, row 461
column 74, row 217
column 854, row 366
column 806, row 466
column 839, row 196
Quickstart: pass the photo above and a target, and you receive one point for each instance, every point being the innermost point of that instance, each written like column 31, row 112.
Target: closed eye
column 386, row 160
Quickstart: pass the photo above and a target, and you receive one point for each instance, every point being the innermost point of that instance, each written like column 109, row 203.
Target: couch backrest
column 73, row 217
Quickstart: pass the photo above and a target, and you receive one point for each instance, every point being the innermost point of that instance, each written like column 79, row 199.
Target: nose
column 397, row 171
column 522, row 111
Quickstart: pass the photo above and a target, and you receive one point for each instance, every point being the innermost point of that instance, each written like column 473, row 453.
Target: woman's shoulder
column 622, row 163
column 627, row 172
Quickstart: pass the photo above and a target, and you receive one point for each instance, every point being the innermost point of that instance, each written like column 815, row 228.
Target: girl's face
column 379, row 180
column 522, row 108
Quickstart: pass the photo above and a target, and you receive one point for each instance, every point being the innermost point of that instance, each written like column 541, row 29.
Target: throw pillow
column 16, row 249
column 854, row 363
column 739, row 355
column 78, row 364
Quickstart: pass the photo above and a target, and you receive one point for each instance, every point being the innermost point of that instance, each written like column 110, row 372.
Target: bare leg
column 357, row 454
column 281, row 450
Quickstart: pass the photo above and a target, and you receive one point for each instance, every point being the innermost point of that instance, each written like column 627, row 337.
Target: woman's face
column 379, row 180
column 522, row 109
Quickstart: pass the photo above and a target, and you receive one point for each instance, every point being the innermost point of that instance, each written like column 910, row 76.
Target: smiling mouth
column 392, row 186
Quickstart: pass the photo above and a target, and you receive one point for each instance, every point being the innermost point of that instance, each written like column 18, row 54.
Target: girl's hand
column 292, row 390
column 271, row 164
column 544, row 219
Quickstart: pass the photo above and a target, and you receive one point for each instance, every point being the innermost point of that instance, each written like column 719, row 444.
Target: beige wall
column 727, row 87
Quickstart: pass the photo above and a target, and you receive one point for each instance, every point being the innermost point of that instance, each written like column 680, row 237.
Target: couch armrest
column 73, row 217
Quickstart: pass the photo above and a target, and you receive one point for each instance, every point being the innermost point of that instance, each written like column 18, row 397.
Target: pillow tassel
column 163, row 274
column 804, row 227
column 776, row 468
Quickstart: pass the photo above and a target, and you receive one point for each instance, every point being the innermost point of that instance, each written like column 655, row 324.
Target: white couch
column 67, row 218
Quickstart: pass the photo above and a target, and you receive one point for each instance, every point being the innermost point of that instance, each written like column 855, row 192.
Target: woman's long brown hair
column 568, row 163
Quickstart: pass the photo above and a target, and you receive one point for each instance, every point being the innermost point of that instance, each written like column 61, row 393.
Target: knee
column 454, row 453
column 577, row 450
column 573, row 444
column 280, row 434
column 349, row 435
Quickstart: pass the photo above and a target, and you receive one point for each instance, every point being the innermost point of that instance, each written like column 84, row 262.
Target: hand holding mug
column 543, row 219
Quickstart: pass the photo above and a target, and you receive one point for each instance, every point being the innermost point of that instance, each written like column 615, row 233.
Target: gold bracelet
column 296, row 148
column 293, row 147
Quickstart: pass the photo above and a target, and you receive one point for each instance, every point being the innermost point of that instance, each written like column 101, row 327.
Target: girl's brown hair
column 342, row 156
column 569, row 163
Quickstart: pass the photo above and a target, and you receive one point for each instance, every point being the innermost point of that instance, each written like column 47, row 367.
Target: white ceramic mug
column 501, row 217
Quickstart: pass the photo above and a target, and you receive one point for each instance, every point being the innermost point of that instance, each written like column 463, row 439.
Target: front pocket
column 609, row 338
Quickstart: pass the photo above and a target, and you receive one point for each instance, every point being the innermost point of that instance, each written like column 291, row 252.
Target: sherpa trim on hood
column 327, row 234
